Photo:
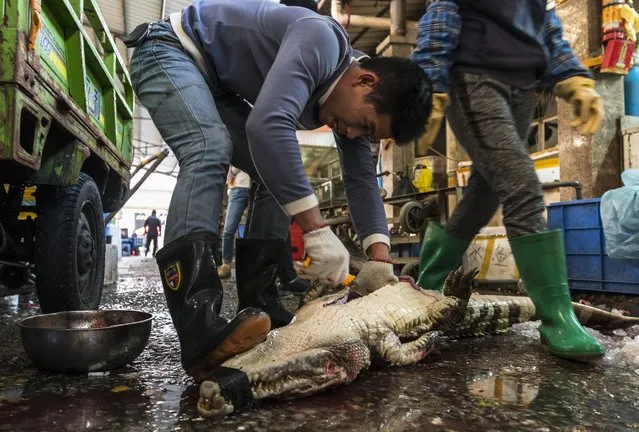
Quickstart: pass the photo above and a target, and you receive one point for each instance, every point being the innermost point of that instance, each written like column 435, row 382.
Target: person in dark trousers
column 152, row 229
column 486, row 64
column 289, row 281
column 229, row 82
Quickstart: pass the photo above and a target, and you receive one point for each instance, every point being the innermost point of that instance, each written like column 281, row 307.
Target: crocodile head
column 297, row 359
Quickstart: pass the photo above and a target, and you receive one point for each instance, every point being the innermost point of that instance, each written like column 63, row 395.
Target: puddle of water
column 153, row 393
column 506, row 389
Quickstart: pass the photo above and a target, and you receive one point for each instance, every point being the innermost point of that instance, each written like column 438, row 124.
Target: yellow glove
column 440, row 102
column 579, row 92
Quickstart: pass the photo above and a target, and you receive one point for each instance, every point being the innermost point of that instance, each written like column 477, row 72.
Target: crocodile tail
column 487, row 314
column 493, row 314
column 587, row 315
column 600, row 319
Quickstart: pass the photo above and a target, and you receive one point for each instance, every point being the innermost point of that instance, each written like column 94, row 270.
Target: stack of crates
column 589, row 267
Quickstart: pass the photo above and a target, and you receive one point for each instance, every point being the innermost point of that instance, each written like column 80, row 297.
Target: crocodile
column 334, row 338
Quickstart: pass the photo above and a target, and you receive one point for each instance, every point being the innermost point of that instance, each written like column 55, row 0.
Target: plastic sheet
column 620, row 217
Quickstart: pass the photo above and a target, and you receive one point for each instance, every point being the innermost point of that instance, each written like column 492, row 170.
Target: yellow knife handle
column 349, row 280
column 346, row 282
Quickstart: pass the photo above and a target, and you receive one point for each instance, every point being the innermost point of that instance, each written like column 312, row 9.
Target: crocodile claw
column 211, row 402
column 459, row 284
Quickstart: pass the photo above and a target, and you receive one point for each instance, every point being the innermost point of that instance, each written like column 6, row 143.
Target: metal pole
column 337, row 220
column 146, row 161
column 558, row 184
column 163, row 9
column 398, row 17
column 158, row 160
column 363, row 31
column 126, row 28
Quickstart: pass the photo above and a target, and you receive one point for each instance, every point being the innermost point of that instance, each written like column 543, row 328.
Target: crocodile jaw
column 313, row 371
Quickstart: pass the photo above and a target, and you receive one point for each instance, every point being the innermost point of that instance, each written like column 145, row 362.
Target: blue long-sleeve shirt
column 285, row 61
column 441, row 38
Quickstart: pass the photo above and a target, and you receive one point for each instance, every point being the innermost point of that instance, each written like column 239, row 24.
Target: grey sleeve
column 362, row 191
column 308, row 56
column 359, row 55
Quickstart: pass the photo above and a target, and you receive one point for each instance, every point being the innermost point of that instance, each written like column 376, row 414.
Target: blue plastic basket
column 589, row 268
column 408, row 250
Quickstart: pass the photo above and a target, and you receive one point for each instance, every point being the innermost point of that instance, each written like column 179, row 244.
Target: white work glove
column 374, row 275
column 328, row 256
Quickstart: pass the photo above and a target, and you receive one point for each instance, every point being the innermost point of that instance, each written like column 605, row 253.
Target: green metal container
column 66, row 126
column 65, row 78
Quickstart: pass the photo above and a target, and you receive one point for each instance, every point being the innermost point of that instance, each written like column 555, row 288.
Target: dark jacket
column 516, row 41
column 503, row 39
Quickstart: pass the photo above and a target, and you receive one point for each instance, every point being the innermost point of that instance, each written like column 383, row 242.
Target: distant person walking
column 152, row 229
column 239, row 183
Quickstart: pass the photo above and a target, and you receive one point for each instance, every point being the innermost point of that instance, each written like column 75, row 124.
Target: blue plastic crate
column 408, row 250
column 589, row 268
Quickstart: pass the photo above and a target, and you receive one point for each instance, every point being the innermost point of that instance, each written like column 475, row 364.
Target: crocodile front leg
column 389, row 350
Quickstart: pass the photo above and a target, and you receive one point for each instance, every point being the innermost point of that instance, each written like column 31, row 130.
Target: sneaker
column 224, row 271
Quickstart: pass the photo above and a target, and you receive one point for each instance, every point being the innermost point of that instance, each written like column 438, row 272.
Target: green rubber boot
column 542, row 266
column 441, row 254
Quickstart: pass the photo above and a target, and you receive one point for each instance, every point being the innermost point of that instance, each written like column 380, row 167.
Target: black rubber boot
column 290, row 284
column 296, row 286
column 193, row 293
column 256, row 264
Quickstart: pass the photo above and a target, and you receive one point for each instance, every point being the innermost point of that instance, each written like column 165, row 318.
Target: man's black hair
column 308, row 4
column 404, row 92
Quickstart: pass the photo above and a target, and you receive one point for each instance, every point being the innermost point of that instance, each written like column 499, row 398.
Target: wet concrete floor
column 493, row 383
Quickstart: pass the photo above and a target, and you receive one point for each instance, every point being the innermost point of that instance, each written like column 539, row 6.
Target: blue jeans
column 238, row 201
column 204, row 125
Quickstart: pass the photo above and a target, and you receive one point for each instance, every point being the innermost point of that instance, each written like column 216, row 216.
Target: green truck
column 66, row 120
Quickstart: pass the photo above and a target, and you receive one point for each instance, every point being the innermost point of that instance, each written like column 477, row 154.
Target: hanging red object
column 618, row 34
column 618, row 56
column 297, row 242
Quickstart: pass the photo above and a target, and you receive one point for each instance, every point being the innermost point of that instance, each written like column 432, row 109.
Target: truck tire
column 69, row 247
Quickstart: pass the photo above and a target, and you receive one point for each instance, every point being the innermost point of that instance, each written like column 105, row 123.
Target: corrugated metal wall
column 176, row 5
column 138, row 12
column 113, row 13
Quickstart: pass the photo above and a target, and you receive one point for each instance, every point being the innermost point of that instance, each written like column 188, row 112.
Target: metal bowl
column 85, row 341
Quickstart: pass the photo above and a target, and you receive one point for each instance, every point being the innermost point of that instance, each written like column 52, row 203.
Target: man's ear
column 366, row 79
